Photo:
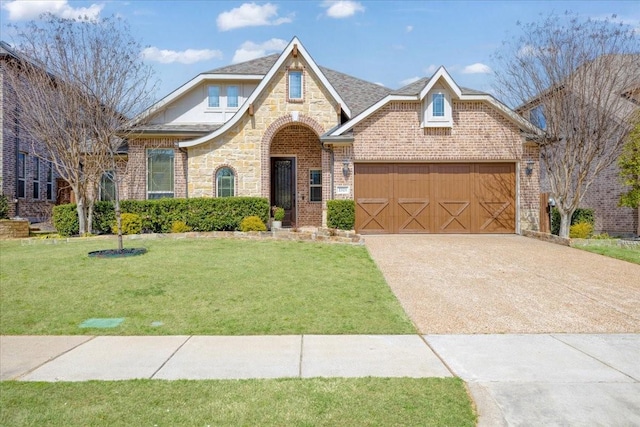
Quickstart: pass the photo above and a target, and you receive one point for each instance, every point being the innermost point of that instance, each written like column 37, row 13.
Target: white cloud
column 20, row 10
column 342, row 9
column 409, row 28
column 250, row 50
column 477, row 68
column 409, row 81
column 189, row 56
column 250, row 15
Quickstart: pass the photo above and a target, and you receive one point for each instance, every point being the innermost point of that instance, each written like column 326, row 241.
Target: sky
column 392, row 43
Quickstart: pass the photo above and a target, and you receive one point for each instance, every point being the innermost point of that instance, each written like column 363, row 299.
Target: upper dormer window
column 224, row 96
column 295, row 85
column 232, row 96
column 437, row 104
column 437, row 109
column 214, row 96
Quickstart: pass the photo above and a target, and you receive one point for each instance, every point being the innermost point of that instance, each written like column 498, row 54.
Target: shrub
column 278, row 214
column 158, row 216
column 65, row 219
column 581, row 230
column 341, row 214
column 252, row 223
column 131, row 224
column 580, row 215
column 180, row 227
column 4, row 207
column 104, row 216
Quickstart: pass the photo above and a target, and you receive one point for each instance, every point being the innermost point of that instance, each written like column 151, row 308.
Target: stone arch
column 267, row 138
column 215, row 180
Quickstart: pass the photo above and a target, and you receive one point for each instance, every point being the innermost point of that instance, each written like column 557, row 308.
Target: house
column 27, row 176
column 432, row 157
column 620, row 100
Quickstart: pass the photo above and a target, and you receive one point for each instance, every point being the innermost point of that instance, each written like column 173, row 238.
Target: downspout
column 16, row 129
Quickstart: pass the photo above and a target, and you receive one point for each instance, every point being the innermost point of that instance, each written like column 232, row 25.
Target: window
column 22, row 168
column 315, row 185
column 232, row 96
column 49, row 181
column 159, row 173
column 225, row 182
column 214, row 96
column 437, row 109
column 107, row 186
column 295, row 84
column 536, row 116
column 36, row 178
column 438, row 105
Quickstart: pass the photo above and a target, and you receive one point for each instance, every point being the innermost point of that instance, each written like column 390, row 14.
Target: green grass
column 291, row 402
column 625, row 253
column 196, row 286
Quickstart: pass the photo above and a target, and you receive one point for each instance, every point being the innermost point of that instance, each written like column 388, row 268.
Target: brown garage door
column 435, row 198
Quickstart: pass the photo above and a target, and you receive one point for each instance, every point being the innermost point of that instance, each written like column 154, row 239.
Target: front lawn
column 612, row 250
column 290, row 402
column 195, row 286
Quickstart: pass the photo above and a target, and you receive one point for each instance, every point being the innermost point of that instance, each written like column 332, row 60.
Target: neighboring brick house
column 603, row 196
column 430, row 157
column 27, row 176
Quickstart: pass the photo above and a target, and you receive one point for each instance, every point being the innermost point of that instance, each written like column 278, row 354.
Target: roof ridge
column 255, row 64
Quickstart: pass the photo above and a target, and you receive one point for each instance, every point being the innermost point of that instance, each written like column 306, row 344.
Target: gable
column 290, row 53
column 421, row 92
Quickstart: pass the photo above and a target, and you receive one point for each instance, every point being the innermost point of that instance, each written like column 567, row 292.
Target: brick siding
column 304, row 144
column 14, row 140
column 479, row 133
column 136, row 174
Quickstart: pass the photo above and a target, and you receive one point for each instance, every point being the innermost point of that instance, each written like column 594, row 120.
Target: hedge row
column 341, row 214
column 580, row 215
column 158, row 216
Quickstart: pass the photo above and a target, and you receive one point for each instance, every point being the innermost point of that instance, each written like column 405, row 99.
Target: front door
column 283, row 187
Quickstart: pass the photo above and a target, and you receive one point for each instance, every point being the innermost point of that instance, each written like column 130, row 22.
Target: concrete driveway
column 542, row 334
column 485, row 284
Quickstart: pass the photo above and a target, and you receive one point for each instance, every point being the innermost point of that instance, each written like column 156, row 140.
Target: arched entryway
column 295, row 165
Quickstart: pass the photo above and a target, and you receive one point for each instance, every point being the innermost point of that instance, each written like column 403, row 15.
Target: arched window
column 225, row 182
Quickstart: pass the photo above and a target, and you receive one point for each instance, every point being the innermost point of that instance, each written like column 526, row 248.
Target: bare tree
column 82, row 81
column 571, row 77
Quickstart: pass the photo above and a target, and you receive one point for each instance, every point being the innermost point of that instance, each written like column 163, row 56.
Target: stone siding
column 247, row 147
column 13, row 229
column 479, row 133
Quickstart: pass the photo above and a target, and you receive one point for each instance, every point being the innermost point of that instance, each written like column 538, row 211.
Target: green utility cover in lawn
column 102, row 323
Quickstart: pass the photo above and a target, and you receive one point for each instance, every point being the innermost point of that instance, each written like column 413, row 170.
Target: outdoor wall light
column 529, row 169
column 552, row 202
column 345, row 168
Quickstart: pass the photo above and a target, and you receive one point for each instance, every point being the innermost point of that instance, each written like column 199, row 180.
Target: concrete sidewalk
column 81, row 358
column 544, row 379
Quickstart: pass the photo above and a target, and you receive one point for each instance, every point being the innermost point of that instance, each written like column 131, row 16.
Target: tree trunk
column 82, row 217
column 565, row 223
column 90, row 217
